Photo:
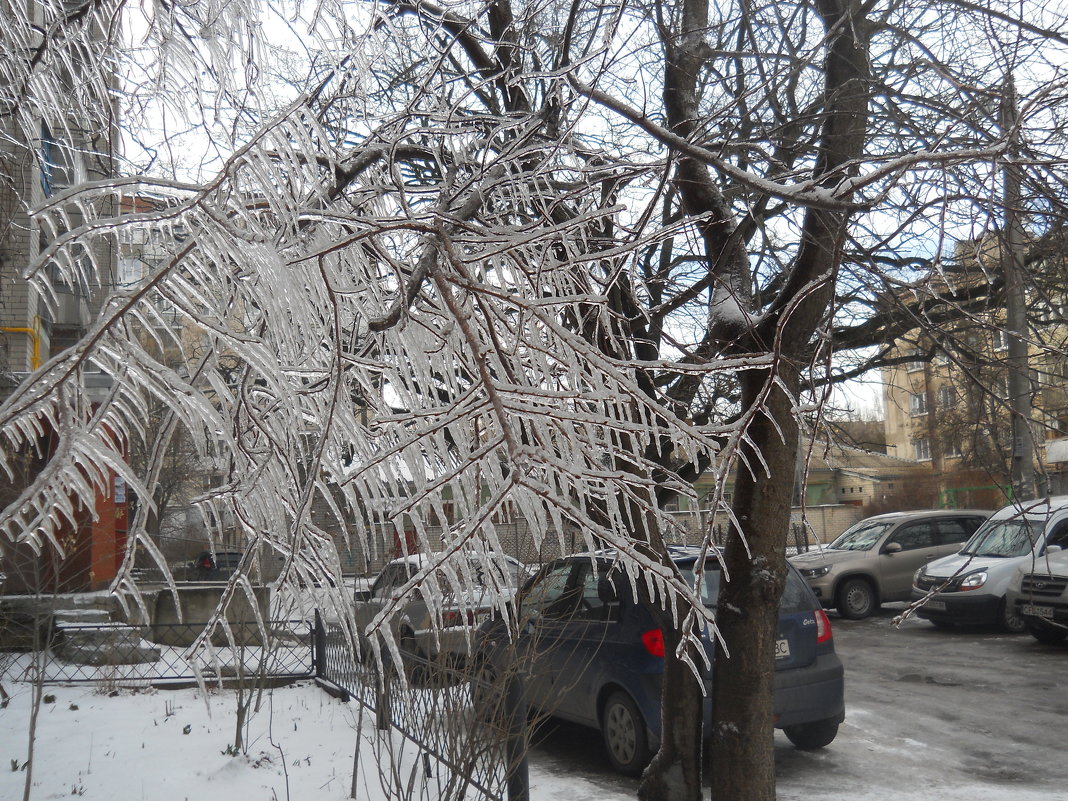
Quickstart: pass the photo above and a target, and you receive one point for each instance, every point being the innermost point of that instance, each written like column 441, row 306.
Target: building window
column 915, row 362
column 921, row 449
column 952, row 449
column 1000, row 339
column 947, row 398
column 918, row 403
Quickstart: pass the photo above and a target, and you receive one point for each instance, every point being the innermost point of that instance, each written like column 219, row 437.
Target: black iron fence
column 160, row 653
column 445, row 732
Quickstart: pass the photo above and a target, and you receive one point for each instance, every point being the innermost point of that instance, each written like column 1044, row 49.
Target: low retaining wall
column 198, row 603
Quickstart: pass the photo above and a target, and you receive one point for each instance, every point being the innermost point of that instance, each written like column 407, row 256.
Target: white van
column 969, row 586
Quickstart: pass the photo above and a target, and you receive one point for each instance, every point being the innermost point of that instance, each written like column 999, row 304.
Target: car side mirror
column 892, row 547
column 1054, row 548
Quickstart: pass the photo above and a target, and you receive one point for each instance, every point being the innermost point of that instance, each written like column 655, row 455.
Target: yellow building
column 946, row 399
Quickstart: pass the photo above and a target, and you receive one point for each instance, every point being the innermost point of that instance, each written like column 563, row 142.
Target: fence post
column 383, row 714
column 319, row 647
column 515, row 745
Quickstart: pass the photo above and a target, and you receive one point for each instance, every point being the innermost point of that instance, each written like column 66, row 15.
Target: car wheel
column 1010, row 621
column 1049, row 635
column 856, row 599
column 810, row 736
column 411, row 657
column 625, row 737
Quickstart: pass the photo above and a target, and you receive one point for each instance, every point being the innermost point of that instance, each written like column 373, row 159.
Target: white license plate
column 782, row 649
column 1037, row 611
column 936, row 606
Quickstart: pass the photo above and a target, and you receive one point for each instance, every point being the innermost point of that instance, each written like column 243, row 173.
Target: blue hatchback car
column 590, row 654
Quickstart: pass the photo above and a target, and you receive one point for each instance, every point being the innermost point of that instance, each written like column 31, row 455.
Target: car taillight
column 207, row 563
column 653, row 640
column 457, row 617
column 823, row 627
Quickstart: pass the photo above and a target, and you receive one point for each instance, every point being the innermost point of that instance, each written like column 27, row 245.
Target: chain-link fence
column 159, row 653
column 467, row 731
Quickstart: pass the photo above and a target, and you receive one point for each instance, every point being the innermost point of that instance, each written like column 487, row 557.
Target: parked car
column 1038, row 592
column 873, row 561
column 590, row 653
column 216, row 566
column 479, row 586
column 969, row 587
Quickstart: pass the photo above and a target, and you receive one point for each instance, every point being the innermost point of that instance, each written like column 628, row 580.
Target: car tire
column 1047, row 634
column 811, row 736
column 412, row 659
column 856, row 599
column 625, row 735
column 1009, row 620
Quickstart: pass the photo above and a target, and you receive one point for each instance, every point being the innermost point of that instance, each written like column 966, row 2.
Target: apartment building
column 947, row 397
column 43, row 311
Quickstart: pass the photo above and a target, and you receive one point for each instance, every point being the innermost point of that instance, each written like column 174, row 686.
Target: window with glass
column 860, row 537
column 1004, row 538
column 550, row 595
column 597, row 601
column 921, row 448
column 915, row 536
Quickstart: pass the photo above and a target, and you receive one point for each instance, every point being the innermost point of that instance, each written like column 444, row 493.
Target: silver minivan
column 969, row 587
column 1038, row 592
column 873, row 561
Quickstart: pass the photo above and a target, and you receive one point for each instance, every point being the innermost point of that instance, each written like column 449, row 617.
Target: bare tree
column 557, row 256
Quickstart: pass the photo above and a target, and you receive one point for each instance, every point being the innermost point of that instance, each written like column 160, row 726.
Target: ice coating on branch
column 369, row 332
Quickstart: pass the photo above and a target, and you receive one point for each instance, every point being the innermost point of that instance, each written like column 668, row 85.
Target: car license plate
column 1037, row 611
column 936, row 606
column 782, row 649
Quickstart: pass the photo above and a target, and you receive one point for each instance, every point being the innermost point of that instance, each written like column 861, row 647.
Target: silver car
column 873, row 561
column 441, row 628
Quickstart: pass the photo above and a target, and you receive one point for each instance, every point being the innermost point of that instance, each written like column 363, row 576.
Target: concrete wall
column 198, row 603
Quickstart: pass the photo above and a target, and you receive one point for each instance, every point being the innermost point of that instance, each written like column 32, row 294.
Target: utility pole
column 1012, row 263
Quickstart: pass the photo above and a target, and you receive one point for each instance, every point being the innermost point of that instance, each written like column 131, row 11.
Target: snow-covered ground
column 173, row 745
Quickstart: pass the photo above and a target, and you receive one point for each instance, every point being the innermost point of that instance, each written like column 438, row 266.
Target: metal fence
column 467, row 733
column 160, row 653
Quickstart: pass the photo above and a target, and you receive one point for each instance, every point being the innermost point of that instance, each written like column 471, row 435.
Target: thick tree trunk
column 747, row 613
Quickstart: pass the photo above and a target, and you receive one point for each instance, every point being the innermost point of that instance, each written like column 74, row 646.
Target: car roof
column 680, row 554
column 423, row 559
column 1038, row 508
column 915, row 513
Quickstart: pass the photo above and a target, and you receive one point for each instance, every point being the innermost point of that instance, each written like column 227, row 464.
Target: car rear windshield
column 860, row 537
column 1005, row 538
column 794, row 595
column 228, row 560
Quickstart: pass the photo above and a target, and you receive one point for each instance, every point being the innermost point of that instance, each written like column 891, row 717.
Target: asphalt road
column 965, row 715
